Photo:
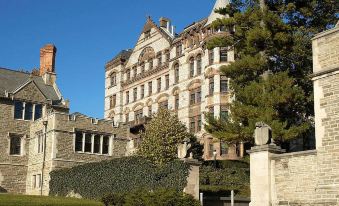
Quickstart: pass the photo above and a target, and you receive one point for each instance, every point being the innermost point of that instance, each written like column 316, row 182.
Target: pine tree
column 273, row 58
column 162, row 136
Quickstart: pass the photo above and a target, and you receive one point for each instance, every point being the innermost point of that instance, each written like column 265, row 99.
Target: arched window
column 176, row 73
column 199, row 64
column 191, row 66
column 113, row 79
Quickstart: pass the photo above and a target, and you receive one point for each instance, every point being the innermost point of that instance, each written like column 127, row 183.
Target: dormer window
column 179, row 50
column 147, row 34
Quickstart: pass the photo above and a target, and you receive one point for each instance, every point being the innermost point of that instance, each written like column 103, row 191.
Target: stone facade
column 310, row 177
column 175, row 71
column 38, row 135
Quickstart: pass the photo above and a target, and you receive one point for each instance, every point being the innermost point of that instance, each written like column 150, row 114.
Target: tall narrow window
column 149, row 110
column 167, row 54
column 223, row 54
column 105, row 145
column 113, row 79
column 167, row 81
column 142, row 68
column 223, row 148
column 223, row 84
column 127, row 97
column 159, row 58
column 210, row 150
column 150, row 64
column 15, row 145
column 142, row 91
column 158, row 84
column 195, row 96
column 18, row 110
column 134, row 70
column 96, row 144
column 113, row 100
column 211, row 56
column 128, row 74
column 127, row 117
column 199, row 64
column 211, row 111
column 191, row 67
column 78, row 141
column 150, row 88
column 192, row 124
column 199, row 123
column 211, row 85
column 88, row 143
column 37, row 111
column 40, row 141
column 135, row 94
column 176, row 105
column 179, row 50
column 176, row 73
column 138, row 115
column 223, row 113
column 28, row 111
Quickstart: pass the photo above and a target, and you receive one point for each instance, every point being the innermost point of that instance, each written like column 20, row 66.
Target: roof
column 122, row 55
column 214, row 16
column 10, row 80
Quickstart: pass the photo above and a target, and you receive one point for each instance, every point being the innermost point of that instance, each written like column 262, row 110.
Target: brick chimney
column 47, row 63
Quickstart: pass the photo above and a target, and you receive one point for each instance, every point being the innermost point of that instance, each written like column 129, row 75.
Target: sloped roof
column 10, row 80
column 214, row 16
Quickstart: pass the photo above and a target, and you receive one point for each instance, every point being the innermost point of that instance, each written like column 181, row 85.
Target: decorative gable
column 30, row 92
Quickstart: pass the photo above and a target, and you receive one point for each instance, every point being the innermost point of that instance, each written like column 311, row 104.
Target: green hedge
column 226, row 176
column 160, row 197
column 94, row 180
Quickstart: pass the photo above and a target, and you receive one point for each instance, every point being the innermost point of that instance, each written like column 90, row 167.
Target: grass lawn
column 24, row 200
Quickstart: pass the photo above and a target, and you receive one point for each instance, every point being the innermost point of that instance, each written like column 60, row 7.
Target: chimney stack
column 164, row 23
column 47, row 63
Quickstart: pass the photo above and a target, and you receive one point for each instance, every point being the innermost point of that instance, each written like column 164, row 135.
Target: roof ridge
column 23, row 72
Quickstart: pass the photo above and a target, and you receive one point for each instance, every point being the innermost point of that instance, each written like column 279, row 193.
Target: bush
column 94, row 180
column 160, row 197
column 228, row 175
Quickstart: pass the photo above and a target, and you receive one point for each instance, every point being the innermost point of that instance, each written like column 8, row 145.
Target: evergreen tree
column 273, row 58
column 162, row 136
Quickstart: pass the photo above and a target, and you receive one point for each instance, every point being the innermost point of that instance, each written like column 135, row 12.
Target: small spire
column 214, row 16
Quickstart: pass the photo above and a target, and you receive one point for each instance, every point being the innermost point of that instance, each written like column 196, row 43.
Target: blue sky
column 87, row 34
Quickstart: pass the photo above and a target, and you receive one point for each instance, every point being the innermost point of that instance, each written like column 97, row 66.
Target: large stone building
column 174, row 71
column 38, row 135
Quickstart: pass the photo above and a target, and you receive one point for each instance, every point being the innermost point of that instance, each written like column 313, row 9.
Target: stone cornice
column 317, row 75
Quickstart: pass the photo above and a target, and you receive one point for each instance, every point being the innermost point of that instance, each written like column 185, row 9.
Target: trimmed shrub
column 160, row 197
column 94, row 180
column 226, row 176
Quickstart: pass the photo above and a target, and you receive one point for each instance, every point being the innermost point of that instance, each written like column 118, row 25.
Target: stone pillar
column 260, row 166
column 192, row 187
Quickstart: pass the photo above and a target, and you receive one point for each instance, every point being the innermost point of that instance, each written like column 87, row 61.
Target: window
column 150, row 110
column 135, row 93
column 142, row 91
column 127, row 97
column 91, row 143
column 128, row 74
column 179, row 50
column 138, row 115
column 96, row 144
column 78, row 141
column 191, row 67
column 18, row 110
column 176, row 73
column 15, row 145
column 223, row 113
column 211, row 56
column 113, row 100
column 210, row 150
column 150, row 88
column 105, row 144
column 195, row 124
column 211, row 111
column 211, row 86
column 158, row 84
column 159, row 57
column 167, row 54
column 223, row 148
column 199, row 65
column 142, row 68
column 163, row 105
column 127, row 117
column 176, row 105
column 113, row 79
column 167, row 81
column 37, row 111
column 88, row 142
column 134, row 70
column 147, row 34
column 150, row 64
column 223, row 54
column 223, row 84
column 36, row 181
column 195, row 96
column 40, row 141
column 28, row 111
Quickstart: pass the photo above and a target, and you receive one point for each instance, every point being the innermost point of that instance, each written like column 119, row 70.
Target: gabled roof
column 11, row 80
column 214, row 16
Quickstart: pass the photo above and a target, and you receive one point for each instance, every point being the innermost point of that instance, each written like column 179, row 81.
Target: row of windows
column 27, row 110
column 223, row 149
column 92, row 143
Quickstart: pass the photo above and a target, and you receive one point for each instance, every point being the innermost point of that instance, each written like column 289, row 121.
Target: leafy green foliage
column 162, row 136
column 270, row 35
column 226, row 176
column 160, row 197
column 94, row 180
